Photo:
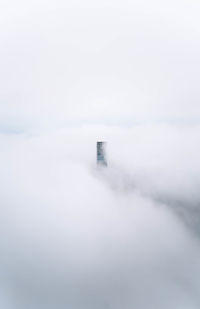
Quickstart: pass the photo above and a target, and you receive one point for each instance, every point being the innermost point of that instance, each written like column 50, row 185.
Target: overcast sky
column 111, row 62
column 71, row 235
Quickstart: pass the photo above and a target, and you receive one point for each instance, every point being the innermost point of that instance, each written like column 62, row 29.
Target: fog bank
column 79, row 237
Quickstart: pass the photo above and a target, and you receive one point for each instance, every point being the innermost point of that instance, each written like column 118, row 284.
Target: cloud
column 72, row 73
column 75, row 236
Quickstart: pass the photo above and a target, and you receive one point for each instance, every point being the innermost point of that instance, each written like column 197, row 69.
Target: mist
column 120, row 63
column 125, row 236
column 73, row 235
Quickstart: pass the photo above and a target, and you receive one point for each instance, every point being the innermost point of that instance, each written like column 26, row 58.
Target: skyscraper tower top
column 101, row 154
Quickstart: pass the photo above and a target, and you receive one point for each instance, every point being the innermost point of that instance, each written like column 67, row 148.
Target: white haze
column 115, row 62
column 73, row 236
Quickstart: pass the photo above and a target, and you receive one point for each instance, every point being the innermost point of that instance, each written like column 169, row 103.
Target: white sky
column 110, row 62
column 113, row 236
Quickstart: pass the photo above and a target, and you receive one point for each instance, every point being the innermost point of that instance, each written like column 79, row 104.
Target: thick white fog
column 74, row 236
column 125, row 236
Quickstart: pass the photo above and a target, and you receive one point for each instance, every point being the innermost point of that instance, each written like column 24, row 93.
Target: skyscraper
column 101, row 153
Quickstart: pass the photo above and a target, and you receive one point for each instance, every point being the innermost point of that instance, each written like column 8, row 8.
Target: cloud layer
column 76, row 236
column 71, row 235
